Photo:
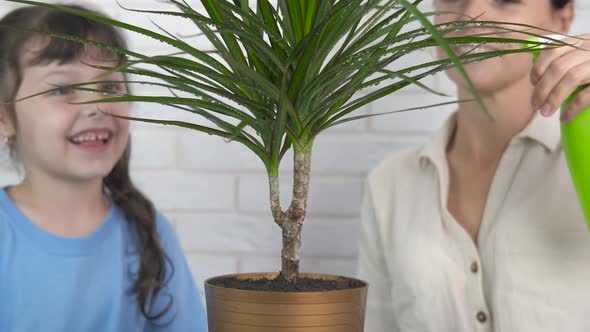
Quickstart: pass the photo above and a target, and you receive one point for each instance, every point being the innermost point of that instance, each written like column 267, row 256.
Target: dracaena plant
column 281, row 72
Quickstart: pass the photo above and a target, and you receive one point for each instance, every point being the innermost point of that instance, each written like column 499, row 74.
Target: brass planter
column 234, row 310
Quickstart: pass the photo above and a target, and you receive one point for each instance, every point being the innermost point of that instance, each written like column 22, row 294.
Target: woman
column 480, row 229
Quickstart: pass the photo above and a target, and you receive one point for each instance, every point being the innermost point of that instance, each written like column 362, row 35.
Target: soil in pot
column 280, row 284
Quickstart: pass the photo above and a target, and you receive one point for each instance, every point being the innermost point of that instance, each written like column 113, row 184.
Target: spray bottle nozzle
column 537, row 48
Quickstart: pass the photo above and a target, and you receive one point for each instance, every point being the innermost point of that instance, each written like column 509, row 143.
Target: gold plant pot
column 234, row 310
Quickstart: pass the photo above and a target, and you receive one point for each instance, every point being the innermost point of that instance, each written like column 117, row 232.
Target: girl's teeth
column 89, row 138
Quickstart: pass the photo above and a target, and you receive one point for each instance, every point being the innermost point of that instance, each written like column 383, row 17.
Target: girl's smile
column 92, row 140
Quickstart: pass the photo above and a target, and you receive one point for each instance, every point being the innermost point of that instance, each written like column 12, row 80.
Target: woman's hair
column 559, row 4
column 138, row 210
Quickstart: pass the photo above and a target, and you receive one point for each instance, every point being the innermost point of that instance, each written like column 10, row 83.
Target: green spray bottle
column 575, row 138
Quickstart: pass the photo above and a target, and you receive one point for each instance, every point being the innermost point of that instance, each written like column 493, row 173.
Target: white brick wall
column 216, row 192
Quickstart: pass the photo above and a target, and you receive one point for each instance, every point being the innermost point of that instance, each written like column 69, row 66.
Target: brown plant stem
column 291, row 221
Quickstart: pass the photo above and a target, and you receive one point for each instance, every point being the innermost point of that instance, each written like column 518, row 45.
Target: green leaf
column 270, row 19
column 445, row 46
column 194, row 102
column 294, row 11
column 331, row 123
column 220, row 15
column 165, row 39
column 211, row 131
column 278, row 131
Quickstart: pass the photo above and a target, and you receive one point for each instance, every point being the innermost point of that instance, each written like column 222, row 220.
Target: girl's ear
column 7, row 127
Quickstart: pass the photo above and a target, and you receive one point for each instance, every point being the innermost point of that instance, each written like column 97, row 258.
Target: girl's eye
column 113, row 87
column 507, row 1
column 62, row 91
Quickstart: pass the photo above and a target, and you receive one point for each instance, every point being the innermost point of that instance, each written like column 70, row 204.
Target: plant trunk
column 291, row 221
column 295, row 216
column 291, row 249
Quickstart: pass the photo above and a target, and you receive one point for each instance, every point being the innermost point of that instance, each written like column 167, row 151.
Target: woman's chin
column 484, row 81
column 492, row 74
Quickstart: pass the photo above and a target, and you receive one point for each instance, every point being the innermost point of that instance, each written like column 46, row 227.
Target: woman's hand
column 557, row 73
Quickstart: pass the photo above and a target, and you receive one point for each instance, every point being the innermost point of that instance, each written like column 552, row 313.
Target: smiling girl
column 81, row 249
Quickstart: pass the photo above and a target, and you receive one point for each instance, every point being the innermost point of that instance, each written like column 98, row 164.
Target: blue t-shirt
column 55, row 284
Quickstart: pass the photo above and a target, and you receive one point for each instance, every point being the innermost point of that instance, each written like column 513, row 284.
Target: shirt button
column 474, row 267
column 481, row 317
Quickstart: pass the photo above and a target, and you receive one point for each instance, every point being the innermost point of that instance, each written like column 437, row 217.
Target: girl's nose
column 477, row 9
column 94, row 109
column 91, row 111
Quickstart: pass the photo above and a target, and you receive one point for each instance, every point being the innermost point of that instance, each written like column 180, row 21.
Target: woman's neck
column 65, row 209
column 481, row 141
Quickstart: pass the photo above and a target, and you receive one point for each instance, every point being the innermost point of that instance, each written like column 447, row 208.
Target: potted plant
column 279, row 75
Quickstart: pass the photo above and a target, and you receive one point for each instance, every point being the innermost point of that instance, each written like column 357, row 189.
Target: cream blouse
column 530, row 270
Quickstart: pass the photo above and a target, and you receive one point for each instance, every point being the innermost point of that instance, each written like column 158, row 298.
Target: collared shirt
column 530, row 270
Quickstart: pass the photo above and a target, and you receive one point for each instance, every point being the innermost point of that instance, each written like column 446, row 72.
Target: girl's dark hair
column 138, row 210
column 559, row 4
